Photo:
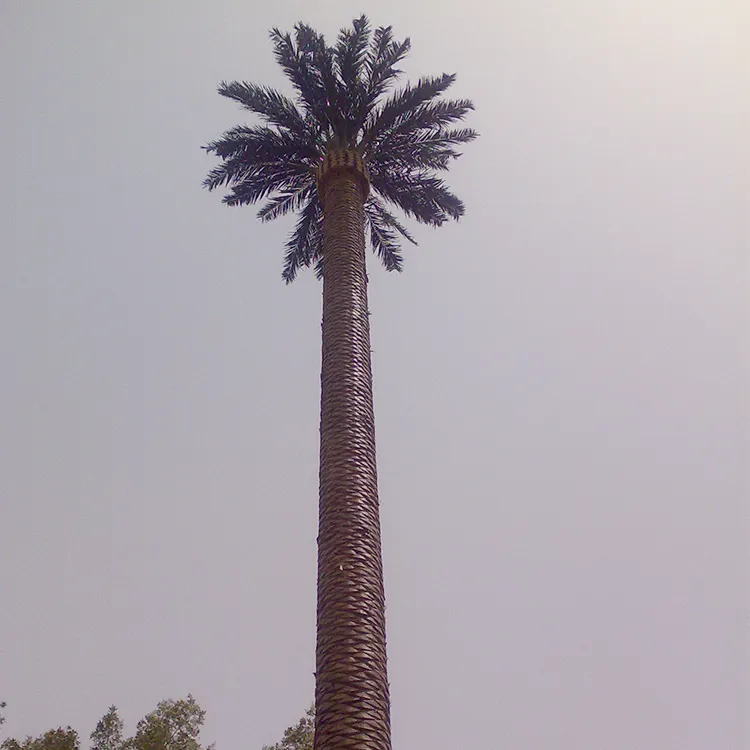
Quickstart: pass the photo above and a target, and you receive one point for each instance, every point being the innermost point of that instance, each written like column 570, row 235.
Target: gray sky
column 561, row 382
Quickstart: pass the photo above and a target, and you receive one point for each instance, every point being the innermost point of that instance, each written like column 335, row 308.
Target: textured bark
column 351, row 690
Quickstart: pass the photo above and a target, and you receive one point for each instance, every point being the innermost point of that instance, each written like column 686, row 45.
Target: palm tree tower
column 348, row 146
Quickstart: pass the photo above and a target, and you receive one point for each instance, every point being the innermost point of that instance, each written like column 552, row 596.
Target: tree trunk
column 351, row 690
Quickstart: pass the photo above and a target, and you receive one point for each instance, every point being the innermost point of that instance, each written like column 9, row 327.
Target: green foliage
column 343, row 98
column 173, row 725
column 108, row 732
column 54, row 739
column 299, row 736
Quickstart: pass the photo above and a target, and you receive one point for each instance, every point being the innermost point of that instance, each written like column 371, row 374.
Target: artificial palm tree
column 346, row 147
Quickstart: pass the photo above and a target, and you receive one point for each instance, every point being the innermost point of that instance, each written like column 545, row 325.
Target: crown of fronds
column 344, row 98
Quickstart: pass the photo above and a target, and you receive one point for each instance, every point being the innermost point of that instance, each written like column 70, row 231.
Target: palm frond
column 343, row 97
column 260, row 143
column 384, row 231
column 375, row 206
column 252, row 187
column 406, row 153
column 385, row 54
column 323, row 61
column 450, row 136
column 418, row 194
column 297, row 65
column 273, row 107
column 429, row 116
column 319, row 270
column 236, row 169
column 303, row 246
column 257, row 161
column 286, row 201
column 351, row 50
column 335, row 112
column 432, row 149
column 404, row 102
column 385, row 243
column 349, row 56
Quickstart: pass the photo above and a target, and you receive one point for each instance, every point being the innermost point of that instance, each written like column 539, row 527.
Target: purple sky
column 561, row 383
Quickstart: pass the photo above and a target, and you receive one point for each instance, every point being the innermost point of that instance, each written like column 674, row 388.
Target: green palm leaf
column 305, row 244
column 341, row 98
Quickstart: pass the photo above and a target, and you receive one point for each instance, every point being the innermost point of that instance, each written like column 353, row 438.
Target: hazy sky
column 561, row 382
